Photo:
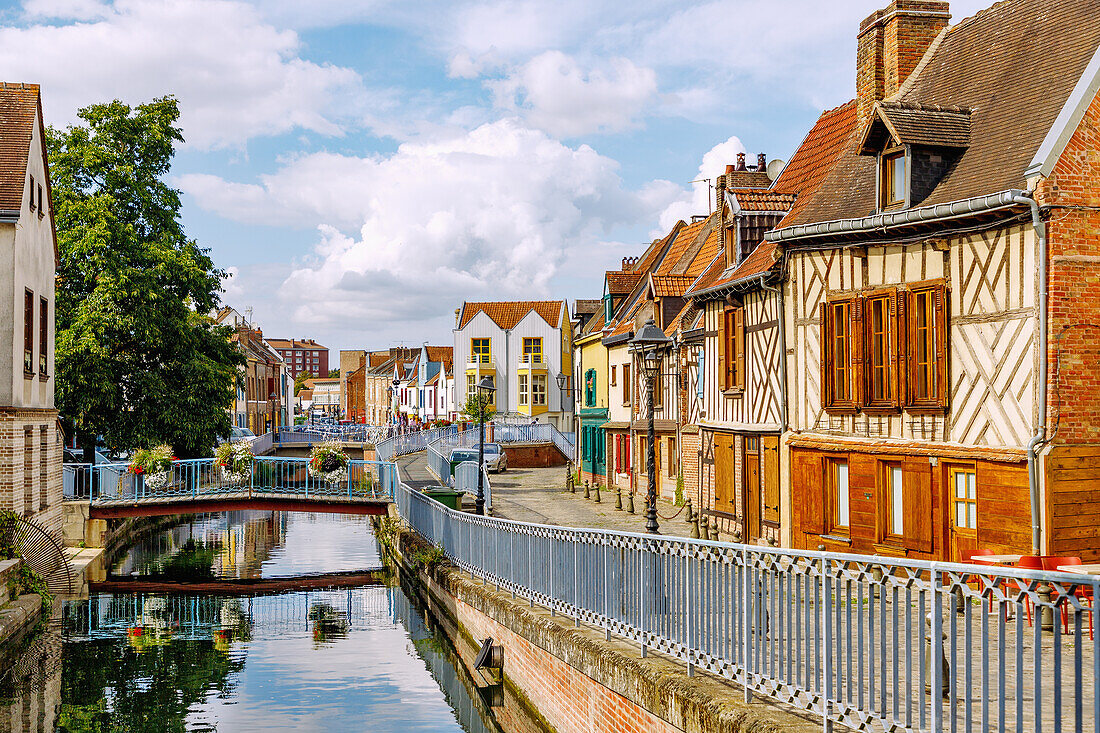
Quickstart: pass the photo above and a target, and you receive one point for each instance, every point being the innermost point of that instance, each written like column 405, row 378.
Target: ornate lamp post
column 565, row 385
column 485, row 390
column 650, row 344
column 271, row 398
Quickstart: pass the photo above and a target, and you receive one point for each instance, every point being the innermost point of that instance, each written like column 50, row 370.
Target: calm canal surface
column 356, row 658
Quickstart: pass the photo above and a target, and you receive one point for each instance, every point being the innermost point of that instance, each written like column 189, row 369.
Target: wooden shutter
column 723, row 373
column 826, row 356
column 769, row 451
column 739, row 347
column 916, row 482
column 856, row 338
column 904, row 332
column 809, row 486
column 939, row 308
column 893, row 332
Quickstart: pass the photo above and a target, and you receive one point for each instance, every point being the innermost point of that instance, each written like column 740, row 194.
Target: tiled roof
column 444, row 354
column 916, row 124
column 755, row 200
column 18, row 115
column 378, row 358
column 657, row 248
column 816, row 156
column 507, row 314
column 621, row 283
column 759, row 261
column 670, row 285
column 586, row 307
column 680, row 245
column 984, row 63
column 748, row 179
column 296, row 344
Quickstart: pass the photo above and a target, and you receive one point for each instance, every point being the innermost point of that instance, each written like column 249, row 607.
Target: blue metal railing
column 203, row 478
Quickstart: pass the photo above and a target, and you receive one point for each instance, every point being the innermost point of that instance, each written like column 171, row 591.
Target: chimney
column 740, row 162
column 761, row 162
column 890, row 44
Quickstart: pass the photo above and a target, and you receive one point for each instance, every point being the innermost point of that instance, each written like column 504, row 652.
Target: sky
column 359, row 168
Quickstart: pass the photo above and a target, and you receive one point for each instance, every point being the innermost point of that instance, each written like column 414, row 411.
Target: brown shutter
column 894, row 332
column 809, row 487
column 826, row 356
column 769, row 451
column 905, row 333
column 916, row 485
column 856, row 337
column 723, row 377
column 739, row 346
column 939, row 306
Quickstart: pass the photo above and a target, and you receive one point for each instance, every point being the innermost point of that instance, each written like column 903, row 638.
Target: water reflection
column 348, row 659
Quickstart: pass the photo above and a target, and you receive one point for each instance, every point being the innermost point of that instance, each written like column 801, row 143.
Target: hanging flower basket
column 235, row 461
column 155, row 464
column 328, row 462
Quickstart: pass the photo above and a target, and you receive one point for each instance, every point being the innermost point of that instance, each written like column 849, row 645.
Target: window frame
column 539, row 398
column 43, row 337
column 32, row 206
column 535, row 341
column 475, row 355
column 853, row 350
column 833, row 525
column 954, row 470
column 872, row 401
column 612, row 382
column 627, row 391
column 522, row 387
column 28, row 333
column 731, row 356
column 937, row 396
column 889, row 497
column 887, row 177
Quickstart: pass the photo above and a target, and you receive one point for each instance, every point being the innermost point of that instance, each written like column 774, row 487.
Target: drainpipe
column 782, row 356
column 1040, row 429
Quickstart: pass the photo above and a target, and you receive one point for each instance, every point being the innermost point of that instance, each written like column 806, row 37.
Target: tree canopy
column 139, row 361
column 300, row 381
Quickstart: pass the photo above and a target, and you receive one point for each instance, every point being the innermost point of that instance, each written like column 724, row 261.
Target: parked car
column 237, row 434
column 496, row 460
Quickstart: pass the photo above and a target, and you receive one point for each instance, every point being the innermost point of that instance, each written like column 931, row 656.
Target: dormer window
column 893, row 178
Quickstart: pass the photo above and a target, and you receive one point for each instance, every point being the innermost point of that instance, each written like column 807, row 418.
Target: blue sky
column 363, row 166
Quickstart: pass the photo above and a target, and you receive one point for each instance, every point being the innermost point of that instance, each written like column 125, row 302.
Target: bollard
column 695, row 525
column 618, row 498
column 945, row 683
column 630, row 502
column 876, row 580
column 689, row 511
column 569, row 485
column 714, row 529
column 597, row 492
column 587, row 494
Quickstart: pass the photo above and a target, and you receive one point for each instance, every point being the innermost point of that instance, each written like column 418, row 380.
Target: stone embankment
column 17, row 612
column 570, row 676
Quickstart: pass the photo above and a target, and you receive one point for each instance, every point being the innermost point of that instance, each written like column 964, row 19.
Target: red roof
column 507, row 314
column 817, row 155
column 621, row 283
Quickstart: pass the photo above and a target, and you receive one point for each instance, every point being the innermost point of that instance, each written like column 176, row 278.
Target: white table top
column 1088, row 569
column 996, row 559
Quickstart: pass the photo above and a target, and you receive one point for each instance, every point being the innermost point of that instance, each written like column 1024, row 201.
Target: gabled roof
column 18, row 116
column 988, row 64
column 819, row 152
column 442, row 354
column 586, row 307
column 681, row 244
column 621, row 283
column 911, row 123
column 296, row 344
column 670, row 285
column 506, row 314
column 756, row 200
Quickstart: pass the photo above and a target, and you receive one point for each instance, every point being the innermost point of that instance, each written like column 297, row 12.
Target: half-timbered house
column 938, row 396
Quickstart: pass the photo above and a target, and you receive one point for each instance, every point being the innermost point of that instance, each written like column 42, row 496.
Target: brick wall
column 690, row 443
column 1074, row 305
column 534, row 456
column 25, row 487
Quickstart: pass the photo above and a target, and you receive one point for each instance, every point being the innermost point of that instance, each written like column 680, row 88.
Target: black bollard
column 618, row 498
column 587, row 494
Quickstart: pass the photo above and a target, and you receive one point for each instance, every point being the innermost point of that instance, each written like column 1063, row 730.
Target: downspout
column 1040, row 429
column 782, row 356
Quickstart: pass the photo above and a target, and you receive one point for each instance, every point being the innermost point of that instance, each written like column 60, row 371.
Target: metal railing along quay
column 203, row 478
column 872, row 643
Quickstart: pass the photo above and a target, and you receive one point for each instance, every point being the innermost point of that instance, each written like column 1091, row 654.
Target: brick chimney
column 890, row 44
column 761, row 162
column 740, row 162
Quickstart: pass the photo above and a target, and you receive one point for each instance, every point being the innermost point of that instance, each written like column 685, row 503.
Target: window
column 964, row 499
column 626, row 384
column 670, row 458
column 480, row 350
column 43, row 467
column 643, row 455
column 532, row 350
column 699, row 383
column 41, row 202
column 927, row 347
column 892, row 501
column 613, row 370
column 32, row 193
column 836, row 488
column 880, row 312
column 28, row 333
column 471, row 385
column 731, row 358
column 892, row 179
column 43, row 335
column 590, row 388
column 538, row 390
column 838, row 382
column 523, row 389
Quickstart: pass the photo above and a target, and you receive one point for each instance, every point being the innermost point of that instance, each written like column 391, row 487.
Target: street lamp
column 650, row 343
column 485, row 390
column 271, row 405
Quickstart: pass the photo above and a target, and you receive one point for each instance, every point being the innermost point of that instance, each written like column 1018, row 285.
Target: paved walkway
column 538, row 495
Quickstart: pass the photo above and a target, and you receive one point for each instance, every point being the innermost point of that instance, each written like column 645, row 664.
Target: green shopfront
column 593, row 450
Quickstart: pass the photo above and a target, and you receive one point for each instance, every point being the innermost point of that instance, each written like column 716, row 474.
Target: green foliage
column 429, row 558
column 138, row 359
column 333, row 373
column 477, row 410
column 300, row 381
column 194, row 561
column 152, row 460
column 679, row 498
column 26, row 580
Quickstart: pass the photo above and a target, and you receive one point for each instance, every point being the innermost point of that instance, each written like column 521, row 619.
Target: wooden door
column 750, row 491
column 962, row 502
column 725, row 467
column 769, row 463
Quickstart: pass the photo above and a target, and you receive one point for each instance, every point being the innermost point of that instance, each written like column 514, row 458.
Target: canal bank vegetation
column 26, row 579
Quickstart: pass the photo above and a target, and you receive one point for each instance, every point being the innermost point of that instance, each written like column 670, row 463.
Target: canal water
column 301, row 657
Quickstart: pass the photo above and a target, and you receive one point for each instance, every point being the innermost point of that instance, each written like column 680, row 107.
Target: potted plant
column 154, row 465
column 235, row 461
column 328, row 462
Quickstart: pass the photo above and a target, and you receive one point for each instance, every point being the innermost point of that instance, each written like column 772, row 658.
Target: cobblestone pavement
column 538, row 495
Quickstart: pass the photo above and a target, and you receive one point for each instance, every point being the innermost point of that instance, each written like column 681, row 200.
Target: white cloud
column 700, row 199
column 236, row 76
column 491, row 213
column 557, row 95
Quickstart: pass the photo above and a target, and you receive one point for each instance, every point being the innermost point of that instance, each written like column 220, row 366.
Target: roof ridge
column 980, row 14
column 922, row 107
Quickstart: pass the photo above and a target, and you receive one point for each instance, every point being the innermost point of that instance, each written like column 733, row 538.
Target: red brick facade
column 33, row 489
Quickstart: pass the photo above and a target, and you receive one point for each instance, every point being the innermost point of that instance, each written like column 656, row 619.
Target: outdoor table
column 996, row 559
column 1088, row 569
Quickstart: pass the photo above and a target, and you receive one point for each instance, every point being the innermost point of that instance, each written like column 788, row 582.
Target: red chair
column 979, row 553
column 1052, row 562
column 1028, row 562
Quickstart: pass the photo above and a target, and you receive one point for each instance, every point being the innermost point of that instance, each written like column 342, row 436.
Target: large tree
column 139, row 361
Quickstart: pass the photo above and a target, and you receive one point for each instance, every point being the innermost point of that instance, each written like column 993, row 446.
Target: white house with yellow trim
column 523, row 346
